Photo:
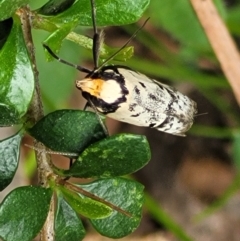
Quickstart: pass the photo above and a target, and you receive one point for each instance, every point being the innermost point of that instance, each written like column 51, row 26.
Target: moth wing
column 153, row 104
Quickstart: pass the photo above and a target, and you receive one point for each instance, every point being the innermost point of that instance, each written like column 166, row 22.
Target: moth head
column 107, row 90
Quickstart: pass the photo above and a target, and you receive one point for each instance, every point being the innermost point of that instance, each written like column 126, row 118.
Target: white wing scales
column 150, row 103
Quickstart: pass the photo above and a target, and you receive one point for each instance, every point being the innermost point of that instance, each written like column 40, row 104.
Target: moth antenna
column 101, row 41
column 128, row 41
column 52, row 152
column 89, row 103
column 98, row 40
column 78, row 67
column 94, row 16
column 96, row 36
column 201, row 114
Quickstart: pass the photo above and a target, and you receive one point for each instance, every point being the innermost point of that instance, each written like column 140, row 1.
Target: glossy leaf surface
column 113, row 156
column 125, row 194
column 68, row 226
column 16, row 78
column 107, row 12
column 23, row 213
column 9, row 157
column 69, row 131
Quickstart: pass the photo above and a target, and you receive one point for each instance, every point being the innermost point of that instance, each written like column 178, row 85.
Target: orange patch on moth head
column 91, row 86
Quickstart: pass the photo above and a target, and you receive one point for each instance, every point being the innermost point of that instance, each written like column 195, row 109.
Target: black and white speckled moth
column 131, row 97
column 128, row 96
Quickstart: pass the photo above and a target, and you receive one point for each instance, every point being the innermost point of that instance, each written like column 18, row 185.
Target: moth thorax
column 106, row 90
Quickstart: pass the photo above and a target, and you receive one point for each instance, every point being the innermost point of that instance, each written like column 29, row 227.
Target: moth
column 129, row 96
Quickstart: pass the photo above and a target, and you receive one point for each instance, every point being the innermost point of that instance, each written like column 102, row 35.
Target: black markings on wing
column 153, row 97
column 162, row 107
column 142, row 84
column 152, row 125
column 166, row 123
column 136, row 115
column 136, row 90
column 132, row 107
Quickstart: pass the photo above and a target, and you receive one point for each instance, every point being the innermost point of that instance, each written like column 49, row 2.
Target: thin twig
column 221, row 42
column 35, row 113
column 70, row 186
column 71, row 154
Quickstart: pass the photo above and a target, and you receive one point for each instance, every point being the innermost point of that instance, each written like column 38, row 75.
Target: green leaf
column 7, row 8
column 112, row 156
column 107, row 12
column 16, row 78
column 54, row 7
column 69, row 131
column 23, row 213
column 67, row 224
column 9, row 157
column 84, row 205
column 54, row 41
column 125, row 194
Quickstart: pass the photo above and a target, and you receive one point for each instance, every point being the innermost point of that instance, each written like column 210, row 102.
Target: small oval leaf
column 69, row 131
column 54, row 41
column 112, row 156
column 124, row 193
column 9, row 157
column 67, row 224
column 16, row 77
column 23, row 213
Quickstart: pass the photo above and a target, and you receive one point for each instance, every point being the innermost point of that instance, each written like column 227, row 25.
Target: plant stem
column 34, row 114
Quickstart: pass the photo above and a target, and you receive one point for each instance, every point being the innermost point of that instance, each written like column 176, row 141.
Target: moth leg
column 99, row 117
column 86, row 106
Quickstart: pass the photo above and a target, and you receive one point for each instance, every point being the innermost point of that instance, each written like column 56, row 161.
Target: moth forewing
column 156, row 105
